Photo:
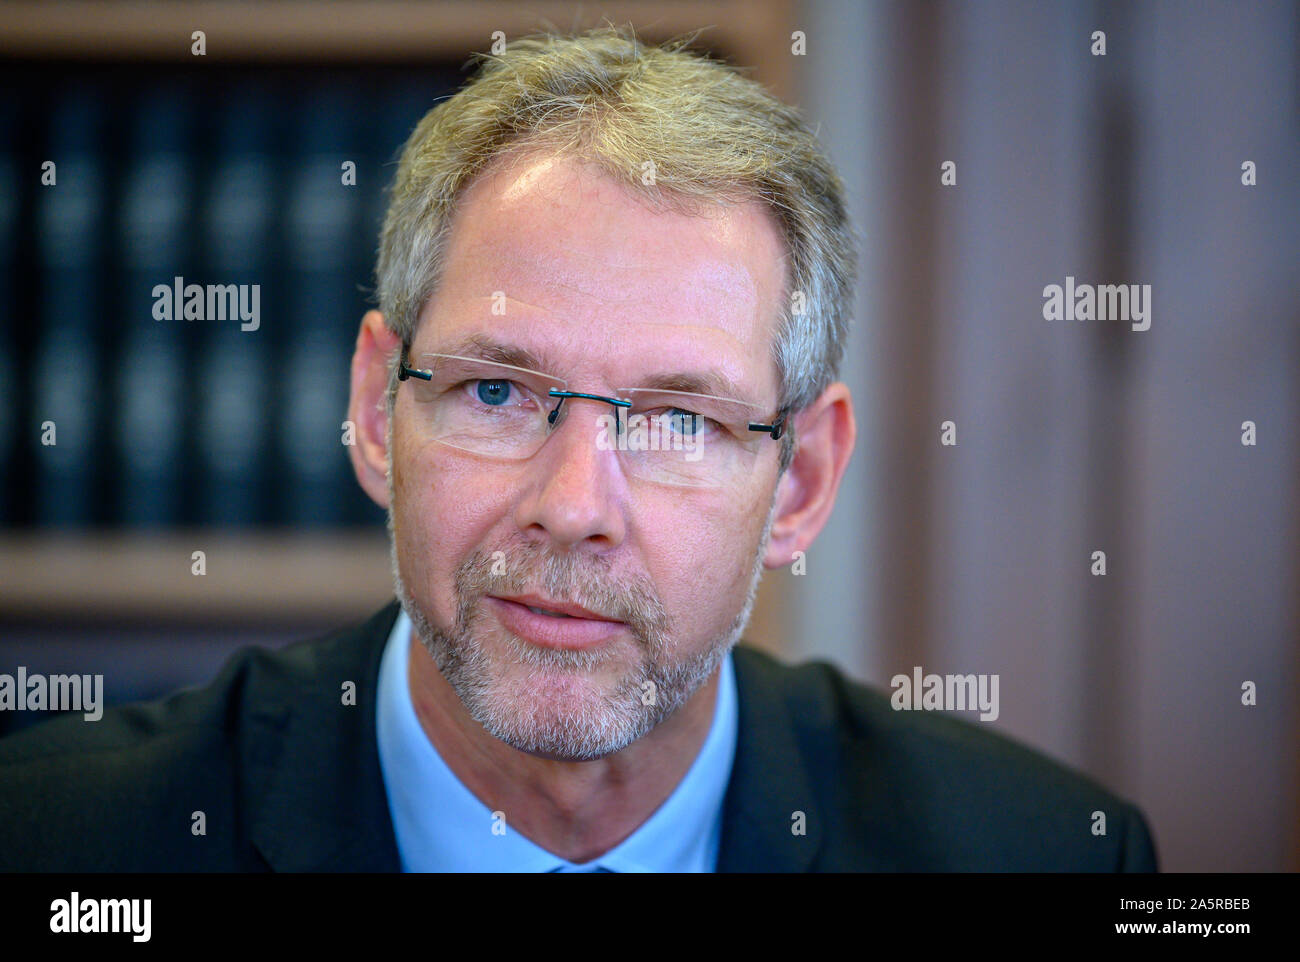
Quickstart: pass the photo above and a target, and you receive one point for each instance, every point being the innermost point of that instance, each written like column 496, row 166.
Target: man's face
column 611, row 293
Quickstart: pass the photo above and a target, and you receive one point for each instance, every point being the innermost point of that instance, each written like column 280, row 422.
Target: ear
column 824, row 434
column 367, row 407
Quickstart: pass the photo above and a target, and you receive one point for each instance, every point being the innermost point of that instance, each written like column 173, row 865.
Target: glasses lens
column 688, row 440
column 491, row 409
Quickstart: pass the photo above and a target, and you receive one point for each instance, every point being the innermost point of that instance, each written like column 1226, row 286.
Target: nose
column 576, row 491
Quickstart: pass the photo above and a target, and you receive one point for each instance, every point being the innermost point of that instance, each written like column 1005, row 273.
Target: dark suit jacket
column 288, row 779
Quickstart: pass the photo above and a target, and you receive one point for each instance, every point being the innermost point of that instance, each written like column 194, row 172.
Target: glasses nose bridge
column 557, row 414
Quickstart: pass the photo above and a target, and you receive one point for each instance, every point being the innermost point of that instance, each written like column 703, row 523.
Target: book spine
column 321, row 217
column 152, row 391
column 10, row 370
column 68, row 370
column 234, row 373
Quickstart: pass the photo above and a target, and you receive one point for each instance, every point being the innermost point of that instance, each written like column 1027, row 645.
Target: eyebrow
column 713, row 383
column 485, row 348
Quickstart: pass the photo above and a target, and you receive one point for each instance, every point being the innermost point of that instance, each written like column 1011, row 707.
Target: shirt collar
column 441, row 826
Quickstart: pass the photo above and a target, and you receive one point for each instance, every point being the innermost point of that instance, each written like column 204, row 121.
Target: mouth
column 554, row 624
column 556, row 609
column 543, row 611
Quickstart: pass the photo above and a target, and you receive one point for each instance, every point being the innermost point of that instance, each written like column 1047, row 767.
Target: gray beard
column 522, row 714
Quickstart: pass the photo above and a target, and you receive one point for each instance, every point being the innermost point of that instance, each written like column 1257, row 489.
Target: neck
column 577, row 810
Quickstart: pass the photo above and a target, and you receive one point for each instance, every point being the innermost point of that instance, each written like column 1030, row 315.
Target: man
column 598, row 399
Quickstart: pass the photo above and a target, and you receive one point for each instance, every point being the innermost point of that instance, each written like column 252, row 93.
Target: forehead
column 551, row 255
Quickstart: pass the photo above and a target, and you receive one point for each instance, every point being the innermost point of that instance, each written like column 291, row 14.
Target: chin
column 571, row 736
column 569, row 715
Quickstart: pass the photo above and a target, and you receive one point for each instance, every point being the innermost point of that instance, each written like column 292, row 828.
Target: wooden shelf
column 261, row 576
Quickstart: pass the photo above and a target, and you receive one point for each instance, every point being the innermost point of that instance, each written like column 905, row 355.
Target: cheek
column 443, row 510
column 702, row 560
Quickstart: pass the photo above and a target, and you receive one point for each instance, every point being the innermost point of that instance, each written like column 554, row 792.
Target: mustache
column 581, row 580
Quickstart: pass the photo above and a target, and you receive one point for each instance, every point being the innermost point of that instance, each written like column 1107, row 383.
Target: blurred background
column 172, row 437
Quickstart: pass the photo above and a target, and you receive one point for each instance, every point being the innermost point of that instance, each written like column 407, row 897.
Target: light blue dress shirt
column 441, row 826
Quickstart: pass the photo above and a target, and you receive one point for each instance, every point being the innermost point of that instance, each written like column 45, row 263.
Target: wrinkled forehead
column 557, row 259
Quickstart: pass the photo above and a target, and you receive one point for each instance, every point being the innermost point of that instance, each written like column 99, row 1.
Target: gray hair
column 715, row 137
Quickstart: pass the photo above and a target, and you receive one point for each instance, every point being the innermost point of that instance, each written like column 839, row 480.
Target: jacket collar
column 323, row 807
column 769, row 781
column 311, row 816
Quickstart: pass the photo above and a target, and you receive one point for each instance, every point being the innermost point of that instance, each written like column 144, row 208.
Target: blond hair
column 714, row 137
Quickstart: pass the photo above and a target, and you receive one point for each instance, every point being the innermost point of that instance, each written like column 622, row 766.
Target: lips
column 555, row 624
column 545, row 606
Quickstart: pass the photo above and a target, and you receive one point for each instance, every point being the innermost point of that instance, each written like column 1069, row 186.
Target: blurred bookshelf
column 181, row 436
column 750, row 33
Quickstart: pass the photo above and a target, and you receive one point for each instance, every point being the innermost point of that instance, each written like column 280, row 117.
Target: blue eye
column 494, row 393
column 685, row 422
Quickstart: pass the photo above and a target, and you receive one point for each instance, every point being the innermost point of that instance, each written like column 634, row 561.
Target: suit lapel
column 318, row 797
column 769, row 782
